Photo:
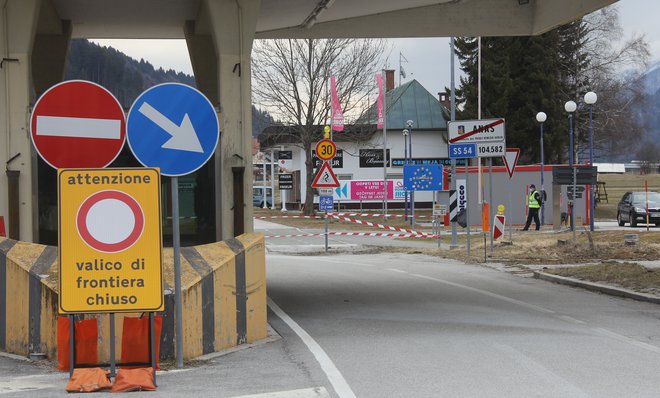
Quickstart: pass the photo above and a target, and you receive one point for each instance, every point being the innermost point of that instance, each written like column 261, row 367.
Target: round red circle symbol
column 110, row 221
column 78, row 124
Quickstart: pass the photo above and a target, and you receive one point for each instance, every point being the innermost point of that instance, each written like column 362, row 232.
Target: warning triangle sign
column 511, row 160
column 325, row 178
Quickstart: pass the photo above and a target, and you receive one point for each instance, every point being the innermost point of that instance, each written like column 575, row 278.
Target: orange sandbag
column 138, row 379
column 86, row 342
column 135, row 339
column 88, row 380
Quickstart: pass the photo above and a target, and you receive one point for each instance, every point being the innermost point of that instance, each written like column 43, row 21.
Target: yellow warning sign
column 110, row 240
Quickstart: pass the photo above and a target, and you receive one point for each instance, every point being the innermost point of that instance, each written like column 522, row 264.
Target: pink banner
column 379, row 104
column 370, row 190
column 337, row 115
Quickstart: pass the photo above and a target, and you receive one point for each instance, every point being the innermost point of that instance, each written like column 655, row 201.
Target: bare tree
column 291, row 80
column 597, row 57
column 649, row 155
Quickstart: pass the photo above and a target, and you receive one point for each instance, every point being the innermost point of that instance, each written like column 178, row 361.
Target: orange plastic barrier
column 485, row 219
column 86, row 342
column 135, row 339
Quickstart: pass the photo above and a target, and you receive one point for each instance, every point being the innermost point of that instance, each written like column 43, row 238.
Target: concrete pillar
column 18, row 22
column 49, row 52
column 225, row 30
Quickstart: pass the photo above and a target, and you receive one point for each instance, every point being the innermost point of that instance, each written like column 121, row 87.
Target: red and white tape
column 381, row 234
column 381, row 226
column 271, row 217
column 379, row 215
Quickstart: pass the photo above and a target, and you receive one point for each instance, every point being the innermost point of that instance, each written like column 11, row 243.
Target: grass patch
column 628, row 275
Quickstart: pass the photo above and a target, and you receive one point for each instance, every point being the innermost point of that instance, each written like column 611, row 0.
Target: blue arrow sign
column 174, row 127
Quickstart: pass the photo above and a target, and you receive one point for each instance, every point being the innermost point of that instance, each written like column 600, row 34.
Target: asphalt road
column 395, row 325
column 415, row 326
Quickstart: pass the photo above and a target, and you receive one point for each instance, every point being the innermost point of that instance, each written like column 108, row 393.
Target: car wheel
column 632, row 218
column 619, row 220
column 261, row 205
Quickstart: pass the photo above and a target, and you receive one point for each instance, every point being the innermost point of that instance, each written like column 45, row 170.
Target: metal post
column 176, row 243
column 326, row 232
column 405, row 162
column 272, row 179
column 454, row 232
column 467, row 204
column 384, row 82
column 542, row 187
column 113, row 361
column 412, row 193
column 152, row 344
column 570, row 162
column 263, row 188
column 490, row 199
column 72, row 344
column 592, row 205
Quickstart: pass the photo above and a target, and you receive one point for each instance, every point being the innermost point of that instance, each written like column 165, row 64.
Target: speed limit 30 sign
column 326, row 150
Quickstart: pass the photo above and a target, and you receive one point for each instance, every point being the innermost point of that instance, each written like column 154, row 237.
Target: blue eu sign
column 422, row 178
column 174, row 127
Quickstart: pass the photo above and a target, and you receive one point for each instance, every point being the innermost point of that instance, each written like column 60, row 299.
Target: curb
column 597, row 287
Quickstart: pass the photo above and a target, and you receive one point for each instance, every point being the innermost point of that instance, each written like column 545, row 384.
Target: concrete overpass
column 35, row 35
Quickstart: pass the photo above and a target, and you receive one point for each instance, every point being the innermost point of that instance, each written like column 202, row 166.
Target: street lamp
column 541, row 117
column 405, row 162
column 590, row 99
column 570, row 107
column 409, row 125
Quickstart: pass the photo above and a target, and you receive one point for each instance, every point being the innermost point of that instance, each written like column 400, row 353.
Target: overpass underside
column 35, row 37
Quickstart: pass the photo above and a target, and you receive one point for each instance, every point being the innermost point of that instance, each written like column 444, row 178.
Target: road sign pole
column 176, row 243
column 326, row 232
column 112, row 345
column 467, row 204
column 490, row 198
column 573, row 203
column 454, row 232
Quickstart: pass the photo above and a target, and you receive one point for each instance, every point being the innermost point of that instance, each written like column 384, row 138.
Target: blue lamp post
column 590, row 99
column 541, row 117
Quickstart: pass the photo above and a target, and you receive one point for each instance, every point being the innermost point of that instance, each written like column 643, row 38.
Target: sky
column 428, row 58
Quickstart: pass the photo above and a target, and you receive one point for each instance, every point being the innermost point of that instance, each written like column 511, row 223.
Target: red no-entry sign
column 78, row 124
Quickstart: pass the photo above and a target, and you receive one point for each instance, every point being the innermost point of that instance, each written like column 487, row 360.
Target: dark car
column 632, row 208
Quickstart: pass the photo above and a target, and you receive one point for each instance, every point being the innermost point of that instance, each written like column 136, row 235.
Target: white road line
column 397, row 270
column 564, row 387
column 487, row 293
column 78, row 127
column 338, row 382
column 316, row 392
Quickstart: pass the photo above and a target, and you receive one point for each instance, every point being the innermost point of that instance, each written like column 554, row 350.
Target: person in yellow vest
column 534, row 204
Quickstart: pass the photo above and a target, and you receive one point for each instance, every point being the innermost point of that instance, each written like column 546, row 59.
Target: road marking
column 536, row 369
column 78, row 127
column 397, row 270
column 316, row 392
column 487, row 293
column 335, row 377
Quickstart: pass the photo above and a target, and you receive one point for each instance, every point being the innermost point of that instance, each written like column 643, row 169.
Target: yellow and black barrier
column 223, row 293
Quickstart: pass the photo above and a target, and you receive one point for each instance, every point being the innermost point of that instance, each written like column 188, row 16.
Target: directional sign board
column 78, row 124
column 585, row 175
column 174, row 127
column 110, row 246
column 325, row 178
column 476, row 138
column 285, row 181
